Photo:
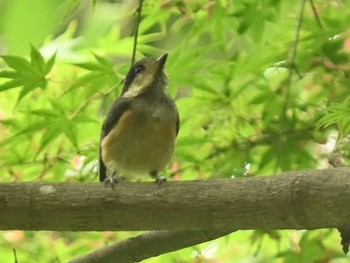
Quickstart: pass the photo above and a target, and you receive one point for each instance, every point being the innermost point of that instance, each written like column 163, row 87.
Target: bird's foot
column 112, row 181
column 158, row 178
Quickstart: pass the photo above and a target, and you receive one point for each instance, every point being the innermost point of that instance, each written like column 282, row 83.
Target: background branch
column 148, row 245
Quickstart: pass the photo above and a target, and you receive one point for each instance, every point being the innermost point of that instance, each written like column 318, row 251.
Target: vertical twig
column 136, row 31
column 291, row 61
column 314, row 11
column 15, row 255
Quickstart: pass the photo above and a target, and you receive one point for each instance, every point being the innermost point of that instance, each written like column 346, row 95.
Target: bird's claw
column 160, row 180
column 112, row 181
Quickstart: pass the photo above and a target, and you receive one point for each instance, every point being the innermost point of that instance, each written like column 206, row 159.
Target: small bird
column 139, row 132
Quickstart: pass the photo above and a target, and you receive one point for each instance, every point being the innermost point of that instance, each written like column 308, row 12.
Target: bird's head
column 144, row 75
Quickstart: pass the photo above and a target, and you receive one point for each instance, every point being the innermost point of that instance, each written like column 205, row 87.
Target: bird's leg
column 158, row 178
column 112, row 180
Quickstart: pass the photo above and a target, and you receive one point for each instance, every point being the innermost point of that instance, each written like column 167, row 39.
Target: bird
column 139, row 132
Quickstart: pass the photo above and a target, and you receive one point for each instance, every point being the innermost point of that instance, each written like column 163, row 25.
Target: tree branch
column 148, row 245
column 181, row 210
column 294, row 200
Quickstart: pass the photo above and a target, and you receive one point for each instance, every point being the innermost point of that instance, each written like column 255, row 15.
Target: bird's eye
column 139, row 69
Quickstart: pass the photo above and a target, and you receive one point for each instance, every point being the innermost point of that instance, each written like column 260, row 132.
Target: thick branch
column 295, row 200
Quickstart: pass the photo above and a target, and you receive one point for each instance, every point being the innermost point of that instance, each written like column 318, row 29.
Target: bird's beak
column 161, row 61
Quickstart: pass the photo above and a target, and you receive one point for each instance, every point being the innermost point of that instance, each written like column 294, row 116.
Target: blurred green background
column 248, row 106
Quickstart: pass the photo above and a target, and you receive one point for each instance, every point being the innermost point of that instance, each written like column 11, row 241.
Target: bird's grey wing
column 119, row 107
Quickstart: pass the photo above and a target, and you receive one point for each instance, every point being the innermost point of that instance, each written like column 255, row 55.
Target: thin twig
column 136, row 32
column 84, row 104
column 295, row 67
column 248, row 143
column 292, row 63
column 315, row 13
column 297, row 33
column 15, row 255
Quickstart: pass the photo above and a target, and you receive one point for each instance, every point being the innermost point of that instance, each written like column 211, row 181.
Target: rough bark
column 295, row 200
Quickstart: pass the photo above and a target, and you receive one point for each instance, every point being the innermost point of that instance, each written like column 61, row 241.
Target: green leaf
column 48, row 137
column 84, row 119
column 47, row 113
column 25, row 90
column 70, row 130
column 267, row 158
column 103, row 61
column 90, row 66
column 10, row 85
column 337, row 114
column 11, row 122
column 58, row 107
column 37, row 60
column 8, row 74
column 102, row 65
column 36, row 126
column 49, row 64
column 311, row 249
column 190, row 140
column 29, row 75
column 18, row 63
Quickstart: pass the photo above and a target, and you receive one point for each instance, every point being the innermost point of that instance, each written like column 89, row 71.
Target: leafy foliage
column 26, row 74
column 253, row 101
column 338, row 114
